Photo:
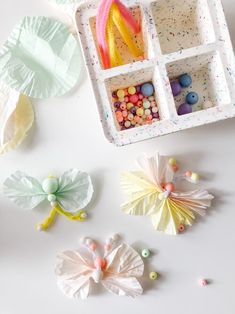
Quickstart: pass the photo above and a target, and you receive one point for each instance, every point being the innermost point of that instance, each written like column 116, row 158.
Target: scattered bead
column 184, row 109
column 192, row 98
column 147, row 89
column 185, row 80
column 153, row 275
column 181, row 228
column 203, row 282
column 145, row 253
column 176, row 88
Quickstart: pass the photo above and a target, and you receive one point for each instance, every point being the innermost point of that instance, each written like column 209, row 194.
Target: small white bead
column 116, row 237
column 39, row 227
column 88, row 241
column 83, row 215
column 83, row 240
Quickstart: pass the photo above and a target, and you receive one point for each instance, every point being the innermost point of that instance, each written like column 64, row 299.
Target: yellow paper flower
column 16, row 118
column 151, row 191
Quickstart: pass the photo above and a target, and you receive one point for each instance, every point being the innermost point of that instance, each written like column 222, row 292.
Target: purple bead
column 114, row 94
column 121, row 123
column 155, row 115
column 133, row 110
column 117, row 104
column 137, row 88
column 184, row 109
column 176, row 88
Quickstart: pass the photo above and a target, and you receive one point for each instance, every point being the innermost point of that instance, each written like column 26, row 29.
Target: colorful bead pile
column 135, row 106
column 184, row 81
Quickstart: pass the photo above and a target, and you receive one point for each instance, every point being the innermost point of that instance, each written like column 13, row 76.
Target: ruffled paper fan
column 68, row 195
column 41, row 59
column 16, row 118
column 152, row 191
column 117, row 269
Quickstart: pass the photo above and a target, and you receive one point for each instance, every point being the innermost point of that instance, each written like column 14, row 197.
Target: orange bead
column 124, row 113
column 136, row 119
column 175, row 168
column 188, row 173
column 123, row 106
column 169, row 187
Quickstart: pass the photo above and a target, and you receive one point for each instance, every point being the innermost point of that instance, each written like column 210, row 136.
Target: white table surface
column 67, row 133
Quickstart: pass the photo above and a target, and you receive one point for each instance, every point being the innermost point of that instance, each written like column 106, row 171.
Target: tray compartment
column 135, row 78
column 208, row 80
column 140, row 39
column 182, row 24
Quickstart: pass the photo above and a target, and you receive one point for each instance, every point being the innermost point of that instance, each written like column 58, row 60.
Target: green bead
column 50, row 185
column 51, row 197
column 145, row 253
column 153, row 275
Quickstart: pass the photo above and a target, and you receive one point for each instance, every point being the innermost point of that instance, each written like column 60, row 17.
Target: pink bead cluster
column 133, row 108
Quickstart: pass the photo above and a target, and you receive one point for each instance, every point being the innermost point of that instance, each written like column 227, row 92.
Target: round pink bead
column 99, row 262
column 107, row 247
column 134, row 98
column 203, row 282
column 92, row 246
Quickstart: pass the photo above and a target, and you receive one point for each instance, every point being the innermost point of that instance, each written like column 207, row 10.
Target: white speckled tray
column 179, row 36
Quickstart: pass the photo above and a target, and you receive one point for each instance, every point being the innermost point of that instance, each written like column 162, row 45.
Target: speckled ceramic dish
column 178, row 36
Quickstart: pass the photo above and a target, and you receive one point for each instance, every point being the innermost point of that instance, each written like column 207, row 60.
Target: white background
column 67, row 133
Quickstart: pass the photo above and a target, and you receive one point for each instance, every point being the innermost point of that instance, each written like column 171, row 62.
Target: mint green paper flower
column 67, row 195
column 40, row 59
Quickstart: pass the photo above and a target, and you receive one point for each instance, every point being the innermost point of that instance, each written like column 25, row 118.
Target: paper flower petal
column 142, row 194
column 123, row 286
column 168, row 217
column 124, row 261
column 156, row 168
column 75, row 190
column 41, row 58
column 24, row 190
column 16, row 118
column 179, row 208
column 196, row 201
column 73, row 273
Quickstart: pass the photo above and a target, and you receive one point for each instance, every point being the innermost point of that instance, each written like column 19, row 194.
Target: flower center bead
column 100, row 262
